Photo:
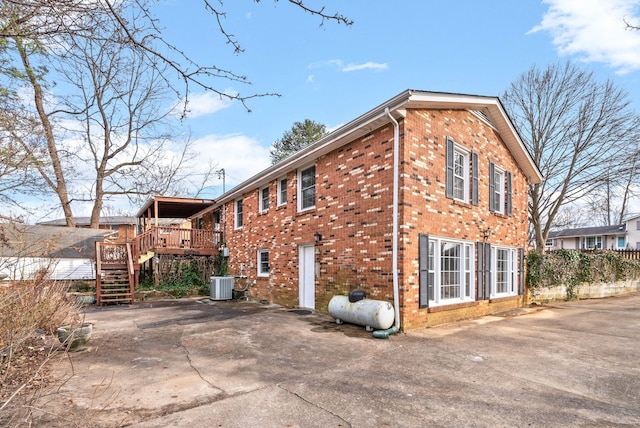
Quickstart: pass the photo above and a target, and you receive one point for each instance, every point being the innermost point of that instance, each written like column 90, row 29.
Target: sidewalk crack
column 347, row 423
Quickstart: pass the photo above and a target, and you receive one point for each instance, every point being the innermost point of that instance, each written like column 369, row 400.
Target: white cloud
column 240, row 156
column 595, row 31
column 203, row 104
column 366, row 66
column 339, row 64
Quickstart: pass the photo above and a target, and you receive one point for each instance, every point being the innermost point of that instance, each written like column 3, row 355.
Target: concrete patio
column 195, row 362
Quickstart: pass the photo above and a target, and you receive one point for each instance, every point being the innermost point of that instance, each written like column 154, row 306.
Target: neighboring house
column 421, row 201
column 588, row 238
column 64, row 253
column 633, row 232
column 123, row 227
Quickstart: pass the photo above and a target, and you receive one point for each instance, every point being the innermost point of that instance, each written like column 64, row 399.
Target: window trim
column 301, row 190
column 504, row 204
column 459, row 153
column 217, row 215
column 597, row 242
column 498, row 187
column 238, row 214
column 259, row 263
column 261, row 199
column 280, row 190
column 511, row 272
column 469, row 173
column 431, row 276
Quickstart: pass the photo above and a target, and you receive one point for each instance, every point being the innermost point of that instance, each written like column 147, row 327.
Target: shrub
column 572, row 268
column 185, row 277
column 28, row 311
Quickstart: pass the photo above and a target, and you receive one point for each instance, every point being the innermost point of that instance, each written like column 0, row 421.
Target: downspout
column 383, row 334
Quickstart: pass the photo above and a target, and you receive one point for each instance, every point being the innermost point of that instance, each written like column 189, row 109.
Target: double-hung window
column 505, row 272
column 307, row 188
column 282, row 191
column 446, row 271
column 461, row 174
column 264, row 199
column 263, row 262
column 499, row 190
column 217, row 216
column 238, row 214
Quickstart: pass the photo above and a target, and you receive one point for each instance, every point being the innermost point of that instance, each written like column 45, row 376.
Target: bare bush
column 30, row 313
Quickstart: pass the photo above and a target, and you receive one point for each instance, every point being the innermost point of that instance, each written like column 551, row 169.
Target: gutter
column 396, row 185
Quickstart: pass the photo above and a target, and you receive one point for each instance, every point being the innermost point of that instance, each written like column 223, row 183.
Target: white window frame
column 509, row 265
column 624, row 242
column 597, row 243
column 466, row 274
column 262, row 269
column 238, row 215
column 282, row 200
column 461, row 173
column 301, row 190
column 262, row 202
column 216, row 224
column 498, row 190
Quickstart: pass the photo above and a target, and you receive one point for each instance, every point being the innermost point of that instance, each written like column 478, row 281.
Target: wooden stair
column 115, row 275
column 115, row 287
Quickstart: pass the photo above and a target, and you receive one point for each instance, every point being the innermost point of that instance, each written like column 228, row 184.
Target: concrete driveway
column 240, row 364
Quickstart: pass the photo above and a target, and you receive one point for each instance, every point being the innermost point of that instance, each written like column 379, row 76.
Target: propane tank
column 370, row 313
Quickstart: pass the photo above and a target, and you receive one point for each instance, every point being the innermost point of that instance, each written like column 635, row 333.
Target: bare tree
column 118, row 99
column 572, row 125
column 19, row 152
column 609, row 200
column 114, row 59
column 43, row 19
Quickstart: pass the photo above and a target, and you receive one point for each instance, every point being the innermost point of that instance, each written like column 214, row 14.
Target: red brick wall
column 353, row 213
column 427, row 210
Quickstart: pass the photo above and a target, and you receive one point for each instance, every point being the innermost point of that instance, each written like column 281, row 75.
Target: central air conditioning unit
column 221, row 287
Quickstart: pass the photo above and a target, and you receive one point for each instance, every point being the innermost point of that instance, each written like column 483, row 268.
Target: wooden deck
column 118, row 265
column 173, row 240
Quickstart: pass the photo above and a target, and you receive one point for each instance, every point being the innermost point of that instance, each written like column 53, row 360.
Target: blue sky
column 333, row 73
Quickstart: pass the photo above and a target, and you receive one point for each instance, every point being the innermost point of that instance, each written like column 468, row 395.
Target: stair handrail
column 143, row 243
column 98, row 272
column 131, row 271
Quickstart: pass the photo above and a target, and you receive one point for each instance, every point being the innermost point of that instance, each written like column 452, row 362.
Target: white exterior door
column 306, row 275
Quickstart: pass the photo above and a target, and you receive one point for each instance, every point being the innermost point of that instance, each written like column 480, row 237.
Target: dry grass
column 30, row 313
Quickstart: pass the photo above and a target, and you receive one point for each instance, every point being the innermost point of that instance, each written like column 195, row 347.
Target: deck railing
column 111, row 254
column 176, row 238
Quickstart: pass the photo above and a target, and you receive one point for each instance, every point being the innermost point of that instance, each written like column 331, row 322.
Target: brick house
column 421, row 201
